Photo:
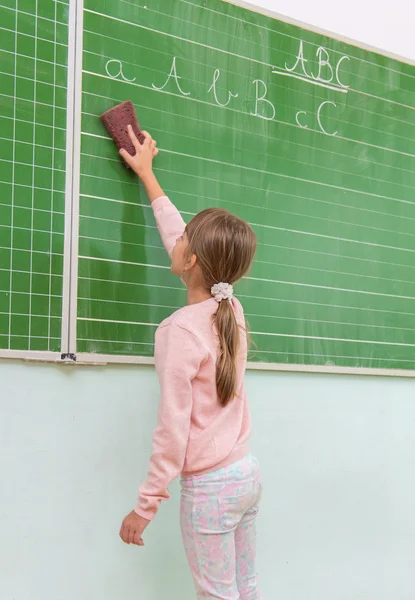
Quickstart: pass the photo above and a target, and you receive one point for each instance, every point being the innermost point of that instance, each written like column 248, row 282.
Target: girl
column 204, row 422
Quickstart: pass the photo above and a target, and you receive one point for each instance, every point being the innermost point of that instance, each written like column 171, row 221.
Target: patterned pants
column 218, row 517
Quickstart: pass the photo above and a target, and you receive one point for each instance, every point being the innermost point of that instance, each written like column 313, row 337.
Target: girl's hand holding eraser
column 136, row 147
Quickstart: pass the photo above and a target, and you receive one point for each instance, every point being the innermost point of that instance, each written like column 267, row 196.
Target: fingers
column 149, row 145
column 127, row 157
column 131, row 535
column 133, row 138
column 153, row 148
column 137, row 540
column 124, row 534
column 148, row 139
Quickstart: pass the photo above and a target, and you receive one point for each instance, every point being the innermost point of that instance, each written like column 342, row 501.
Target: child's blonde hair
column 224, row 246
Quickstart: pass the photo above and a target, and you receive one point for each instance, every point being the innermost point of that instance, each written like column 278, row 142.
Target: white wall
column 337, row 454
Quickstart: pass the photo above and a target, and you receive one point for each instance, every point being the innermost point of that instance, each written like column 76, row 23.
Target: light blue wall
column 338, row 460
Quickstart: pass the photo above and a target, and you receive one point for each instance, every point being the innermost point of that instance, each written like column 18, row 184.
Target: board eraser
column 116, row 121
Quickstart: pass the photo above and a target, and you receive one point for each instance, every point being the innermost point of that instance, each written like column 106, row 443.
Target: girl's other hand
column 142, row 162
column 132, row 529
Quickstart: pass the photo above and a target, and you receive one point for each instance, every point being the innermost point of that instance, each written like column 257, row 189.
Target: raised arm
column 169, row 221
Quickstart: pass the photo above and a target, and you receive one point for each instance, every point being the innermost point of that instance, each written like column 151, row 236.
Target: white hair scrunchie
column 222, row 291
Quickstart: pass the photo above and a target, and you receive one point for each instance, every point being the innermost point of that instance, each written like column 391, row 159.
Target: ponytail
column 224, row 247
column 228, row 333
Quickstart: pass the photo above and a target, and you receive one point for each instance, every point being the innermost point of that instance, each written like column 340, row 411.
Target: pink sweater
column 194, row 434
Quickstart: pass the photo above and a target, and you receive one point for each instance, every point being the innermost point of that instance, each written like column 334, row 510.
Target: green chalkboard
column 309, row 138
column 33, row 71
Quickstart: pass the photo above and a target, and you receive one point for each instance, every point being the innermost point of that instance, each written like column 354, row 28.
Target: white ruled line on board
column 42, row 210
column 32, row 229
column 262, row 171
column 34, row 272
column 31, row 165
column 254, row 133
column 328, row 287
column 130, row 223
column 34, row 316
column 250, row 297
column 328, row 339
column 324, row 305
column 30, row 143
column 49, row 62
column 268, row 208
column 307, row 80
column 263, row 280
column 12, row 182
column 138, row 304
column 259, row 225
column 30, row 36
column 137, row 283
column 277, row 157
column 124, row 262
column 329, row 237
column 284, row 176
column 322, row 321
column 53, row 178
column 34, row 252
column 31, row 79
column 22, row 12
column 284, row 335
column 135, row 244
column 288, row 230
column 254, row 353
column 118, row 322
column 124, row 342
column 31, row 294
column 141, row 205
column 248, row 314
column 276, row 264
column 36, row 187
column 31, row 122
column 30, row 102
column 35, row 92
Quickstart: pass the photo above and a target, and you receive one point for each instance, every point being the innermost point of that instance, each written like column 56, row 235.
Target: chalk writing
column 319, row 116
column 300, row 112
column 262, row 99
column 323, row 65
column 323, row 62
column 338, row 68
column 119, row 73
column 172, row 74
column 300, row 60
column 323, row 72
column 216, row 76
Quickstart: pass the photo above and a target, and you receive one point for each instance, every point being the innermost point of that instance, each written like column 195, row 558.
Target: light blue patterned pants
column 218, row 518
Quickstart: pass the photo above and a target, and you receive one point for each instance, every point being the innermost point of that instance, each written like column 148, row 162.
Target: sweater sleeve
column 178, row 358
column 169, row 222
